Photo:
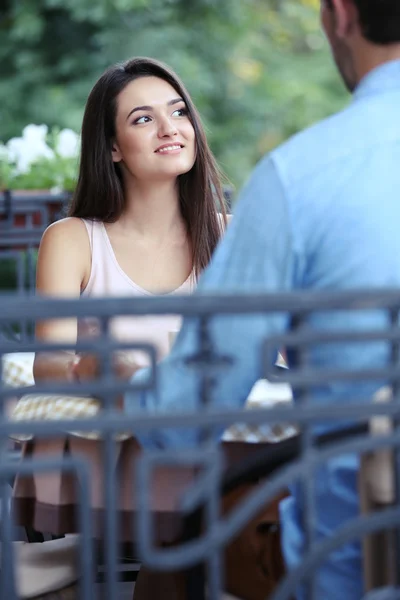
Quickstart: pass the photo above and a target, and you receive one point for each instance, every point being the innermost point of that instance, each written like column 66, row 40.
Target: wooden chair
column 377, row 492
column 259, row 466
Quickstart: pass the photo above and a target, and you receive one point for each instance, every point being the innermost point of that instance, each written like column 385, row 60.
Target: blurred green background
column 258, row 70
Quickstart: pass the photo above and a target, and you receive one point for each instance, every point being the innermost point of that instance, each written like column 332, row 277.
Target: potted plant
column 40, row 160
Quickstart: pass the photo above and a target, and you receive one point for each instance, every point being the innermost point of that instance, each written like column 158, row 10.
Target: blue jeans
column 340, row 575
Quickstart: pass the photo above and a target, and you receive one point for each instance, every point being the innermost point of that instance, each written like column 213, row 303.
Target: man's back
column 342, row 183
column 341, row 180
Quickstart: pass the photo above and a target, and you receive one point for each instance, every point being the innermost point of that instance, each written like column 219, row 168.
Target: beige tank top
column 108, row 279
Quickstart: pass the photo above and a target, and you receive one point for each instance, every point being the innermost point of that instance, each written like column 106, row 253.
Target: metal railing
column 23, row 219
column 304, row 376
column 45, row 206
column 50, row 207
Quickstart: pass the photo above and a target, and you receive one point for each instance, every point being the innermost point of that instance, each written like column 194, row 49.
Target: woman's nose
column 167, row 128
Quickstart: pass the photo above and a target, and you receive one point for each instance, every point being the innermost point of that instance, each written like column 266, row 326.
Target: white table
column 18, row 372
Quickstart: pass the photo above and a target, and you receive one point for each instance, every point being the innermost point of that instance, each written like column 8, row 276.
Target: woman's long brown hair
column 99, row 193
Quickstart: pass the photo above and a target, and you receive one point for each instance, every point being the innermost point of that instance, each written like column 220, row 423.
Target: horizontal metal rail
column 204, row 456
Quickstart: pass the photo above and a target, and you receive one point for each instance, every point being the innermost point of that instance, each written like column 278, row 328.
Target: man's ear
column 116, row 153
column 346, row 17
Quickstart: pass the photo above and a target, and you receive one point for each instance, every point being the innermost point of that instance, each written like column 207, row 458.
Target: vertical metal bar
column 307, row 484
column 44, row 216
column 30, row 264
column 2, row 389
column 7, row 585
column 86, row 544
column 395, row 361
column 21, row 283
column 109, row 452
column 206, row 378
column 20, row 272
column 207, row 382
column 215, row 570
column 8, row 207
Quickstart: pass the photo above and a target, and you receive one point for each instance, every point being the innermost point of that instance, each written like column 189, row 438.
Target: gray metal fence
column 304, row 376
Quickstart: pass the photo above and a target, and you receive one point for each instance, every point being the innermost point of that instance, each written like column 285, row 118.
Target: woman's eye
column 141, row 120
column 180, row 112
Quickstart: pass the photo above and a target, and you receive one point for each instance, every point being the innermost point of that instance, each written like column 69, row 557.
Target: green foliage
column 259, row 70
column 8, row 271
column 46, row 174
column 41, row 161
column 6, row 173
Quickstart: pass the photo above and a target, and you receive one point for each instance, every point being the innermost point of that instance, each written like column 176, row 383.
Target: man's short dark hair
column 380, row 20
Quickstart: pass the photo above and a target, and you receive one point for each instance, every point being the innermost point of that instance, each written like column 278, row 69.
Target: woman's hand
column 87, row 367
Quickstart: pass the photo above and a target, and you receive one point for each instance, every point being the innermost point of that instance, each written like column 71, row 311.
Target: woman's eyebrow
column 137, row 108
column 175, row 101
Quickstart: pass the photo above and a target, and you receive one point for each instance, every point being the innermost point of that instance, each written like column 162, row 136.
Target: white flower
column 30, row 147
column 4, row 152
column 15, row 148
column 68, row 144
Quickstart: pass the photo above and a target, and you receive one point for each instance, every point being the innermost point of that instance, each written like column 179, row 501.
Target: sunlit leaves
column 258, row 70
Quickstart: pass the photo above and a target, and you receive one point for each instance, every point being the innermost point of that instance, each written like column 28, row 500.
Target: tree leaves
column 259, row 70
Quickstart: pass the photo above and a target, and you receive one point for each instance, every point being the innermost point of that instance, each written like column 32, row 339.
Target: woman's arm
column 63, row 270
column 87, row 367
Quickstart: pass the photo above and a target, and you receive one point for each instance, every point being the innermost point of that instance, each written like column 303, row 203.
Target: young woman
column 148, row 209
column 145, row 219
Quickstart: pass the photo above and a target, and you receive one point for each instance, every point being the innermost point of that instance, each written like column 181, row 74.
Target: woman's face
column 155, row 139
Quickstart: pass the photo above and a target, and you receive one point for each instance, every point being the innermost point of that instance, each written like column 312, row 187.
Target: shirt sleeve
column 255, row 256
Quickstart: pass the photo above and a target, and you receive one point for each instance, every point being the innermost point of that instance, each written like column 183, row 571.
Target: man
column 321, row 212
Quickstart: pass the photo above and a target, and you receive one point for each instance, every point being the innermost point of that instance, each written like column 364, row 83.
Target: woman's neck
column 153, row 210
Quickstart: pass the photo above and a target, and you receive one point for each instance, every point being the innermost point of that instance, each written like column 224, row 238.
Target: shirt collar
column 382, row 78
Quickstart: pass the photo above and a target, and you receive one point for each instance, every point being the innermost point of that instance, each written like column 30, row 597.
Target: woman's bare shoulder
column 66, row 227
column 64, row 259
column 66, row 239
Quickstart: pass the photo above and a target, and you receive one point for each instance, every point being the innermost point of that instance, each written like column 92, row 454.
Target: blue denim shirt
column 321, row 212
